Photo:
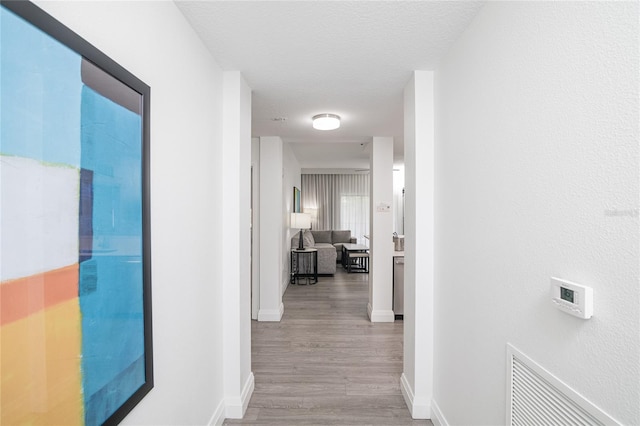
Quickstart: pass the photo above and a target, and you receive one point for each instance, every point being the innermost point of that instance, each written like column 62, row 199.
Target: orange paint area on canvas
column 40, row 350
column 22, row 297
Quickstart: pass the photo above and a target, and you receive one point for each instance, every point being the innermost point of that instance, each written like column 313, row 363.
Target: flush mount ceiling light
column 326, row 121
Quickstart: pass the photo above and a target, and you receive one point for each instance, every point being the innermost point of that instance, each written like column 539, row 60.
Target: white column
column 417, row 376
column 255, row 227
column 380, row 307
column 236, row 240
column 271, row 228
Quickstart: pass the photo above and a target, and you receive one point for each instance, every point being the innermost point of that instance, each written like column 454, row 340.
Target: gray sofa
column 328, row 244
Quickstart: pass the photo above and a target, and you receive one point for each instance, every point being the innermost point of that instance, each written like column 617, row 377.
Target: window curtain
column 337, row 202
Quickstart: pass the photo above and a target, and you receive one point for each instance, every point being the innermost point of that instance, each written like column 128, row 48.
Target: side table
column 304, row 264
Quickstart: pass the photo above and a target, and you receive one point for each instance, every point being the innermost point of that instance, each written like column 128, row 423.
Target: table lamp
column 301, row 221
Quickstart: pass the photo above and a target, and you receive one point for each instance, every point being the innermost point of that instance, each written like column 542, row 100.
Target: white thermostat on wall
column 574, row 299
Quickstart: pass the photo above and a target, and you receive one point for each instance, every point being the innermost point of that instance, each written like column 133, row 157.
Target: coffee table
column 355, row 257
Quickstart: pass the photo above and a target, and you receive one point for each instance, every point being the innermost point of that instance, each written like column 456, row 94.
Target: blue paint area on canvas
column 105, row 401
column 40, row 94
column 111, row 280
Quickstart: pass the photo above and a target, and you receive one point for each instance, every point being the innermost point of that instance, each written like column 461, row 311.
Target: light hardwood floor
column 325, row 363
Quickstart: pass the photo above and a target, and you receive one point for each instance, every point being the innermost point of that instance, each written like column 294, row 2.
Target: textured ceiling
column 351, row 58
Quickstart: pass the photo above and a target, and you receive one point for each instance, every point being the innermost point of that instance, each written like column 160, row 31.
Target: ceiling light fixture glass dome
column 326, row 121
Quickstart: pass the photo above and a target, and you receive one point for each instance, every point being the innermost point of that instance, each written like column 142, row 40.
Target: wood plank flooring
column 325, row 363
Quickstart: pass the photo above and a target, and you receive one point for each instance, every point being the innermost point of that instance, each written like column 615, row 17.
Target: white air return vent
column 535, row 397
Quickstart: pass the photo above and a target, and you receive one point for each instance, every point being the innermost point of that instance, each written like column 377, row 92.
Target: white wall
column 417, row 369
column 291, row 177
column 186, row 187
column 537, row 175
column 255, row 223
column 279, row 173
column 272, row 227
column 398, row 200
column 236, row 237
column 380, row 306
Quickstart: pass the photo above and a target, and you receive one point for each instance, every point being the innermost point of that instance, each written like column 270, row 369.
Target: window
column 354, row 215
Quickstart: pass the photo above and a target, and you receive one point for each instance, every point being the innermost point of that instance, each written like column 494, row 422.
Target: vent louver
column 535, row 397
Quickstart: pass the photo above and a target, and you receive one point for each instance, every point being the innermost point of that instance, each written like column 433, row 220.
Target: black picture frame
column 95, row 59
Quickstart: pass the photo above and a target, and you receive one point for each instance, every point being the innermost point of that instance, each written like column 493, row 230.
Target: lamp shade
column 326, row 121
column 301, row 220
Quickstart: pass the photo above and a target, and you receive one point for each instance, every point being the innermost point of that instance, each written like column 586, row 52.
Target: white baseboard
column 235, row 407
column 419, row 409
column 437, row 417
column 218, row 415
column 271, row 314
column 379, row 315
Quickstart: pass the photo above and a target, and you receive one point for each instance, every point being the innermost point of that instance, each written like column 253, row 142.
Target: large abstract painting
column 296, row 201
column 75, row 319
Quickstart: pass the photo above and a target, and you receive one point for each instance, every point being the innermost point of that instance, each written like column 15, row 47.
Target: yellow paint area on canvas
column 40, row 368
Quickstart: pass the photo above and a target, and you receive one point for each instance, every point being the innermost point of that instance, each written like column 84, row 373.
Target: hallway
column 325, row 363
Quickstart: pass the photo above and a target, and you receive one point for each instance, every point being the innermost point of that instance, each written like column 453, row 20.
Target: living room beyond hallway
column 325, row 362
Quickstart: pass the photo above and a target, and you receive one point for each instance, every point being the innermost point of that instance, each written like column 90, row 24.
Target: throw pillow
column 321, row 236
column 307, row 239
column 341, row 236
